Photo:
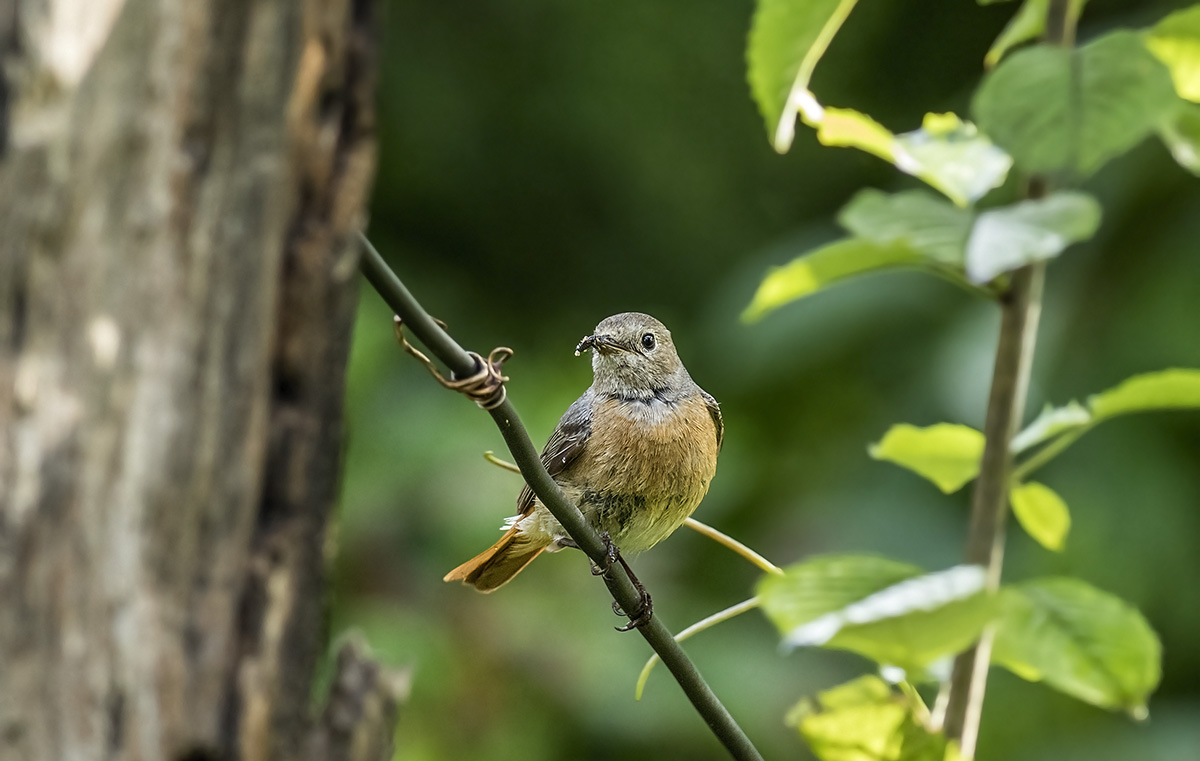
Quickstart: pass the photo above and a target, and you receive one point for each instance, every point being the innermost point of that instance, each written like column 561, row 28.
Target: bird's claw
column 613, row 555
column 645, row 609
column 642, row 615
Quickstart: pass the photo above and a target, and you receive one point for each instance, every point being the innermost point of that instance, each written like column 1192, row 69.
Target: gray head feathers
column 633, row 355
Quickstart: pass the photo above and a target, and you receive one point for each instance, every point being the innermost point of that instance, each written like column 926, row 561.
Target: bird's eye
column 648, row 341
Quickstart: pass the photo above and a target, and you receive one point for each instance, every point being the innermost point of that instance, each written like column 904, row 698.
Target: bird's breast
column 646, row 467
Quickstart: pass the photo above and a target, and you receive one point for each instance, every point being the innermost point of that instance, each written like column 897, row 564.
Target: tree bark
column 179, row 185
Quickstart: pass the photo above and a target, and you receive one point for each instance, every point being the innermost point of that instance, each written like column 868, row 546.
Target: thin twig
column 734, row 610
column 987, row 291
column 1048, row 453
column 491, row 457
column 729, row 542
column 1020, row 311
column 628, row 597
column 920, row 710
column 696, row 628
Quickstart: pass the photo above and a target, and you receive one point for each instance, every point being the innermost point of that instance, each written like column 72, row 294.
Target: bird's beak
column 601, row 343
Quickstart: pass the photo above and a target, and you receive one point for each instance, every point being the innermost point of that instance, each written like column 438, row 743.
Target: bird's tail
column 495, row 566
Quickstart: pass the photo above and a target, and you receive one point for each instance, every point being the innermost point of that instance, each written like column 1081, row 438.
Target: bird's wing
column 714, row 409
column 565, row 444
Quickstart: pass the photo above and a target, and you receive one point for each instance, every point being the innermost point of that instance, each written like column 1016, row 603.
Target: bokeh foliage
column 547, row 164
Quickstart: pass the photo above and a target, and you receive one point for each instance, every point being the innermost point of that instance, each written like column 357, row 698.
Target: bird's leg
column 645, row 610
column 611, row 550
column 612, row 554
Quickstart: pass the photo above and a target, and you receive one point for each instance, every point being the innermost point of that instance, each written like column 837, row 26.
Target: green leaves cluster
column 1060, row 631
column 1051, row 109
column 866, row 720
column 1070, row 111
column 1062, row 112
column 1074, row 637
column 949, row 454
column 890, row 612
column 1053, row 112
column 918, row 230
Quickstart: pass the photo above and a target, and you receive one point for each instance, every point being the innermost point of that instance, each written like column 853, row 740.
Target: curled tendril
column 485, row 386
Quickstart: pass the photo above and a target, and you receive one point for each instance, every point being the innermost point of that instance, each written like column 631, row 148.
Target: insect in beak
column 601, row 343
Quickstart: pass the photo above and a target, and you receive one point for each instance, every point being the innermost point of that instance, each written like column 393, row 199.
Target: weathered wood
column 357, row 720
column 179, row 180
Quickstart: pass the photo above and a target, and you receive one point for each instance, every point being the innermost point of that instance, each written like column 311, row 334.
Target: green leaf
column 817, row 269
column 1009, row 237
column 952, row 157
column 787, row 39
column 946, row 153
column 1028, row 23
column 879, row 608
column 810, row 589
column 1081, row 641
column 914, row 218
column 1055, row 109
column 946, row 454
column 864, row 690
column 847, row 128
column 1042, row 513
column 1162, row 390
column 1052, row 422
column 1176, row 42
column 865, row 720
column 1181, row 135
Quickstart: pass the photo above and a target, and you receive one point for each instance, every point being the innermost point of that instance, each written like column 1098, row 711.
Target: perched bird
column 635, row 452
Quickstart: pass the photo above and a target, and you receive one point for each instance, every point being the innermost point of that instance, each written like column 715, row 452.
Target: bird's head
column 632, row 353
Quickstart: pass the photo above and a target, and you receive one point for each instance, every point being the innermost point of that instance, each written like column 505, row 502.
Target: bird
column 636, row 452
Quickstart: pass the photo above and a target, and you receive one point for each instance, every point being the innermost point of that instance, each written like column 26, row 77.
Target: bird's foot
column 612, row 555
column 645, row 609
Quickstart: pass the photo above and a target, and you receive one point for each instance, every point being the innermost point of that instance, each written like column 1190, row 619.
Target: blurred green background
column 545, row 164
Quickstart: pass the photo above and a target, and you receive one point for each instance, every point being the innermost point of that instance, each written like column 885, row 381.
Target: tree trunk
column 179, row 185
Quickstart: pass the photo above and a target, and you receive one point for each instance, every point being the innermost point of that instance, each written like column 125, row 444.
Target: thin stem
column 704, row 623
column 1020, row 312
column 989, row 504
column 1047, row 453
column 986, row 291
column 733, row 544
column 417, row 320
column 920, row 710
column 491, row 457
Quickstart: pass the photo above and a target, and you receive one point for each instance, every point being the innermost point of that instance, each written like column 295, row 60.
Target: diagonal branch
column 526, row 456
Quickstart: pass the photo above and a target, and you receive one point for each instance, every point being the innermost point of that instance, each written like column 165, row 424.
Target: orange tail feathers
column 495, row 566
